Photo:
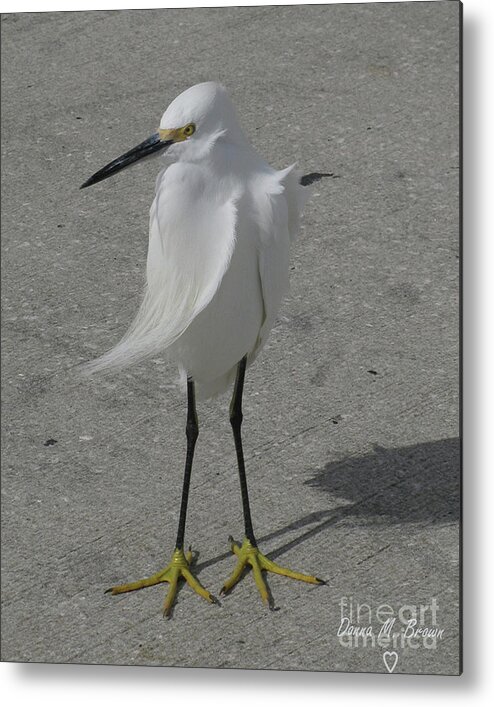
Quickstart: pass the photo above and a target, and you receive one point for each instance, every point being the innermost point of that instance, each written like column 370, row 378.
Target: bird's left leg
column 179, row 567
column 248, row 553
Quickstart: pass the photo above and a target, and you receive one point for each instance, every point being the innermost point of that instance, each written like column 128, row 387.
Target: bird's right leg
column 179, row 567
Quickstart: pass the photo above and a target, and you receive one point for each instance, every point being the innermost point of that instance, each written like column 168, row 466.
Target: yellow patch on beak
column 175, row 135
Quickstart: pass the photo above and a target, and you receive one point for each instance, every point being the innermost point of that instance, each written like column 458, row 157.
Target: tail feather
column 149, row 334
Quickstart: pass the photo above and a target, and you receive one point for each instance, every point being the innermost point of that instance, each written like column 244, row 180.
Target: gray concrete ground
column 351, row 413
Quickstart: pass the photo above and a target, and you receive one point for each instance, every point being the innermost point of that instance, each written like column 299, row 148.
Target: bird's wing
column 280, row 199
column 191, row 241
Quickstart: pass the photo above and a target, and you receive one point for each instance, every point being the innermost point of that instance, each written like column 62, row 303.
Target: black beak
column 144, row 149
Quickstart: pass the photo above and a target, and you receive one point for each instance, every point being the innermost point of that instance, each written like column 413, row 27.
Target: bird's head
column 189, row 129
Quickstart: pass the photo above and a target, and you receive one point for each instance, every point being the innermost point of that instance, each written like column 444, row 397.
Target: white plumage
column 219, row 238
column 220, row 229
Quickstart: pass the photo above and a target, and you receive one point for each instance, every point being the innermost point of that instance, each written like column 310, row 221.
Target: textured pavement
column 351, row 412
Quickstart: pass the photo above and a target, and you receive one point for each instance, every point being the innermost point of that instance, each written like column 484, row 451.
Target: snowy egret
column 220, row 229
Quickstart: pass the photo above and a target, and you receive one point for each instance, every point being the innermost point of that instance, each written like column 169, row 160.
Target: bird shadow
column 420, row 483
column 313, row 177
column 417, row 483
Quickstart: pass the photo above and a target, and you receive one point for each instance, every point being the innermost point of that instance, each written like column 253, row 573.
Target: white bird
column 220, row 229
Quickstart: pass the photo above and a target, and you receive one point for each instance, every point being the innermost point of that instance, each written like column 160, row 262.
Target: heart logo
column 390, row 659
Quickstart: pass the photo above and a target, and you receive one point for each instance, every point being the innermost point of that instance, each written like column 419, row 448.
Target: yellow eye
column 189, row 130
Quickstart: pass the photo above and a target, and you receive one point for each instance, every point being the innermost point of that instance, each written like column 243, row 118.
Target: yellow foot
column 249, row 555
column 178, row 567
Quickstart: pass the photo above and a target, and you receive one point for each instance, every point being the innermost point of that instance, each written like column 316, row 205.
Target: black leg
column 192, row 432
column 236, row 418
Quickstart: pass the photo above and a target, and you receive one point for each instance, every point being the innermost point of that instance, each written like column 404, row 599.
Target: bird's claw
column 178, row 568
column 249, row 554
